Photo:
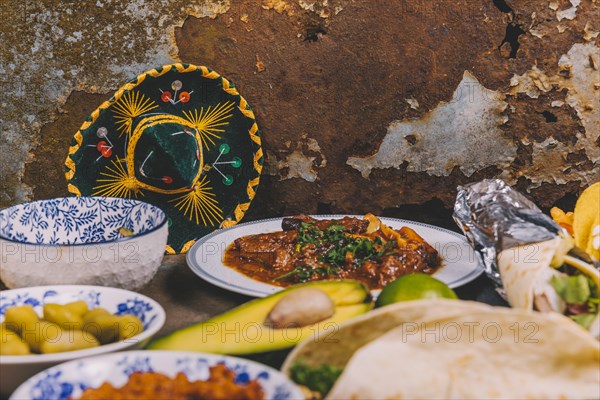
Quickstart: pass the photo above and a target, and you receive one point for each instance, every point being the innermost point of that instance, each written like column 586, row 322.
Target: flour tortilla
column 450, row 349
column 526, row 272
column 525, row 267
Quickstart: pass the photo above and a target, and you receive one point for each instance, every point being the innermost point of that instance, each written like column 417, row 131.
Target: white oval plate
column 459, row 262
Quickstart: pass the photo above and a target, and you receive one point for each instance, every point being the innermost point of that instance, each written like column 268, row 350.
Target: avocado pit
column 299, row 308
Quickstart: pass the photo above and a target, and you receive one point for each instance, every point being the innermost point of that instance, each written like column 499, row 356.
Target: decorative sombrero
column 180, row 137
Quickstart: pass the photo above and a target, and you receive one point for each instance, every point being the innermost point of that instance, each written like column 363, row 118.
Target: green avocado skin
column 242, row 331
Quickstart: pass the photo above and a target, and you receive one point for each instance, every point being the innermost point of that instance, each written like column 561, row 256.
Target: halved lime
column 414, row 287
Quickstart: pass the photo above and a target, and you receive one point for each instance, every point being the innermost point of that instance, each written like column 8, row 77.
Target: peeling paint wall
column 363, row 105
column 463, row 133
column 579, row 80
column 303, row 162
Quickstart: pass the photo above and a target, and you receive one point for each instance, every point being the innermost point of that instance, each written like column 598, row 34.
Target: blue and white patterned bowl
column 72, row 378
column 16, row 369
column 79, row 240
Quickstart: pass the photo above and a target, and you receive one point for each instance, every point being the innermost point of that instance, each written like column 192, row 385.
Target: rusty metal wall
column 364, row 105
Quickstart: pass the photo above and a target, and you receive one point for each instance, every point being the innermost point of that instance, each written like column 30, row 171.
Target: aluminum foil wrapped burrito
column 532, row 259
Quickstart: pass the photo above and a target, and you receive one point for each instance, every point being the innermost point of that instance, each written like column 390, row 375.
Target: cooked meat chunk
column 350, row 224
column 264, row 242
column 370, row 269
column 283, row 256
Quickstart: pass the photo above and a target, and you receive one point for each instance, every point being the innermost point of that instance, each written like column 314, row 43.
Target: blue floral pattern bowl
column 72, row 378
column 16, row 369
column 81, row 240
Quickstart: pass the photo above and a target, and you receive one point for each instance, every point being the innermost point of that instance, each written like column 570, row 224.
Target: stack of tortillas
column 451, row 349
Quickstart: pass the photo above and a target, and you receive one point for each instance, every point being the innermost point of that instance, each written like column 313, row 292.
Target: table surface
column 188, row 299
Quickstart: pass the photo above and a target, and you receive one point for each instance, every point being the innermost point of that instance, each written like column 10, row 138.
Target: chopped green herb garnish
column 303, row 273
column 319, row 379
column 339, row 248
column 309, row 234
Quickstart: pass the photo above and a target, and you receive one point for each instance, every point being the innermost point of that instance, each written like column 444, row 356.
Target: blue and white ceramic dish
column 16, row 369
column 81, row 240
column 72, row 378
column 77, row 220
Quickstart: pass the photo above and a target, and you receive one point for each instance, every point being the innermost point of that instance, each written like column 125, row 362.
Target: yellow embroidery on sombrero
column 78, row 138
column 250, row 192
column 209, row 74
column 73, row 149
column 186, row 247
column 254, row 134
column 85, row 125
column 208, row 121
column 247, row 113
column 228, row 223
column 73, row 190
column 170, row 250
column 240, row 210
column 182, row 68
column 129, row 106
column 70, row 164
column 155, row 73
column 228, row 88
column 257, row 156
column 200, row 204
column 118, row 182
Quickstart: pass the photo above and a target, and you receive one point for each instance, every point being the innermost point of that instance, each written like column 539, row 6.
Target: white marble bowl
column 80, row 240
column 16, row 369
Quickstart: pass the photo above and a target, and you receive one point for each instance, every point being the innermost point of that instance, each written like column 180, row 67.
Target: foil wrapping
column 495, row 217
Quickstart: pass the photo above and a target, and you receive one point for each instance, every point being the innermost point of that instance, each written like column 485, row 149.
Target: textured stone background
column 364, row 105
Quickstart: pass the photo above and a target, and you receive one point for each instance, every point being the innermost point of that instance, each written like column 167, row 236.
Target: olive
column 129, row 325
column 93, row 313
column 105, row 327
column 62, row 316
column 11, row 344
column 67, row 327
column 18, row 317
column 77, row 307
column 35, row 334
column 70, row 340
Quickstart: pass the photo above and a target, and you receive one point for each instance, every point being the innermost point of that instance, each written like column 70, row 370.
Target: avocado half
column 242, row 330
